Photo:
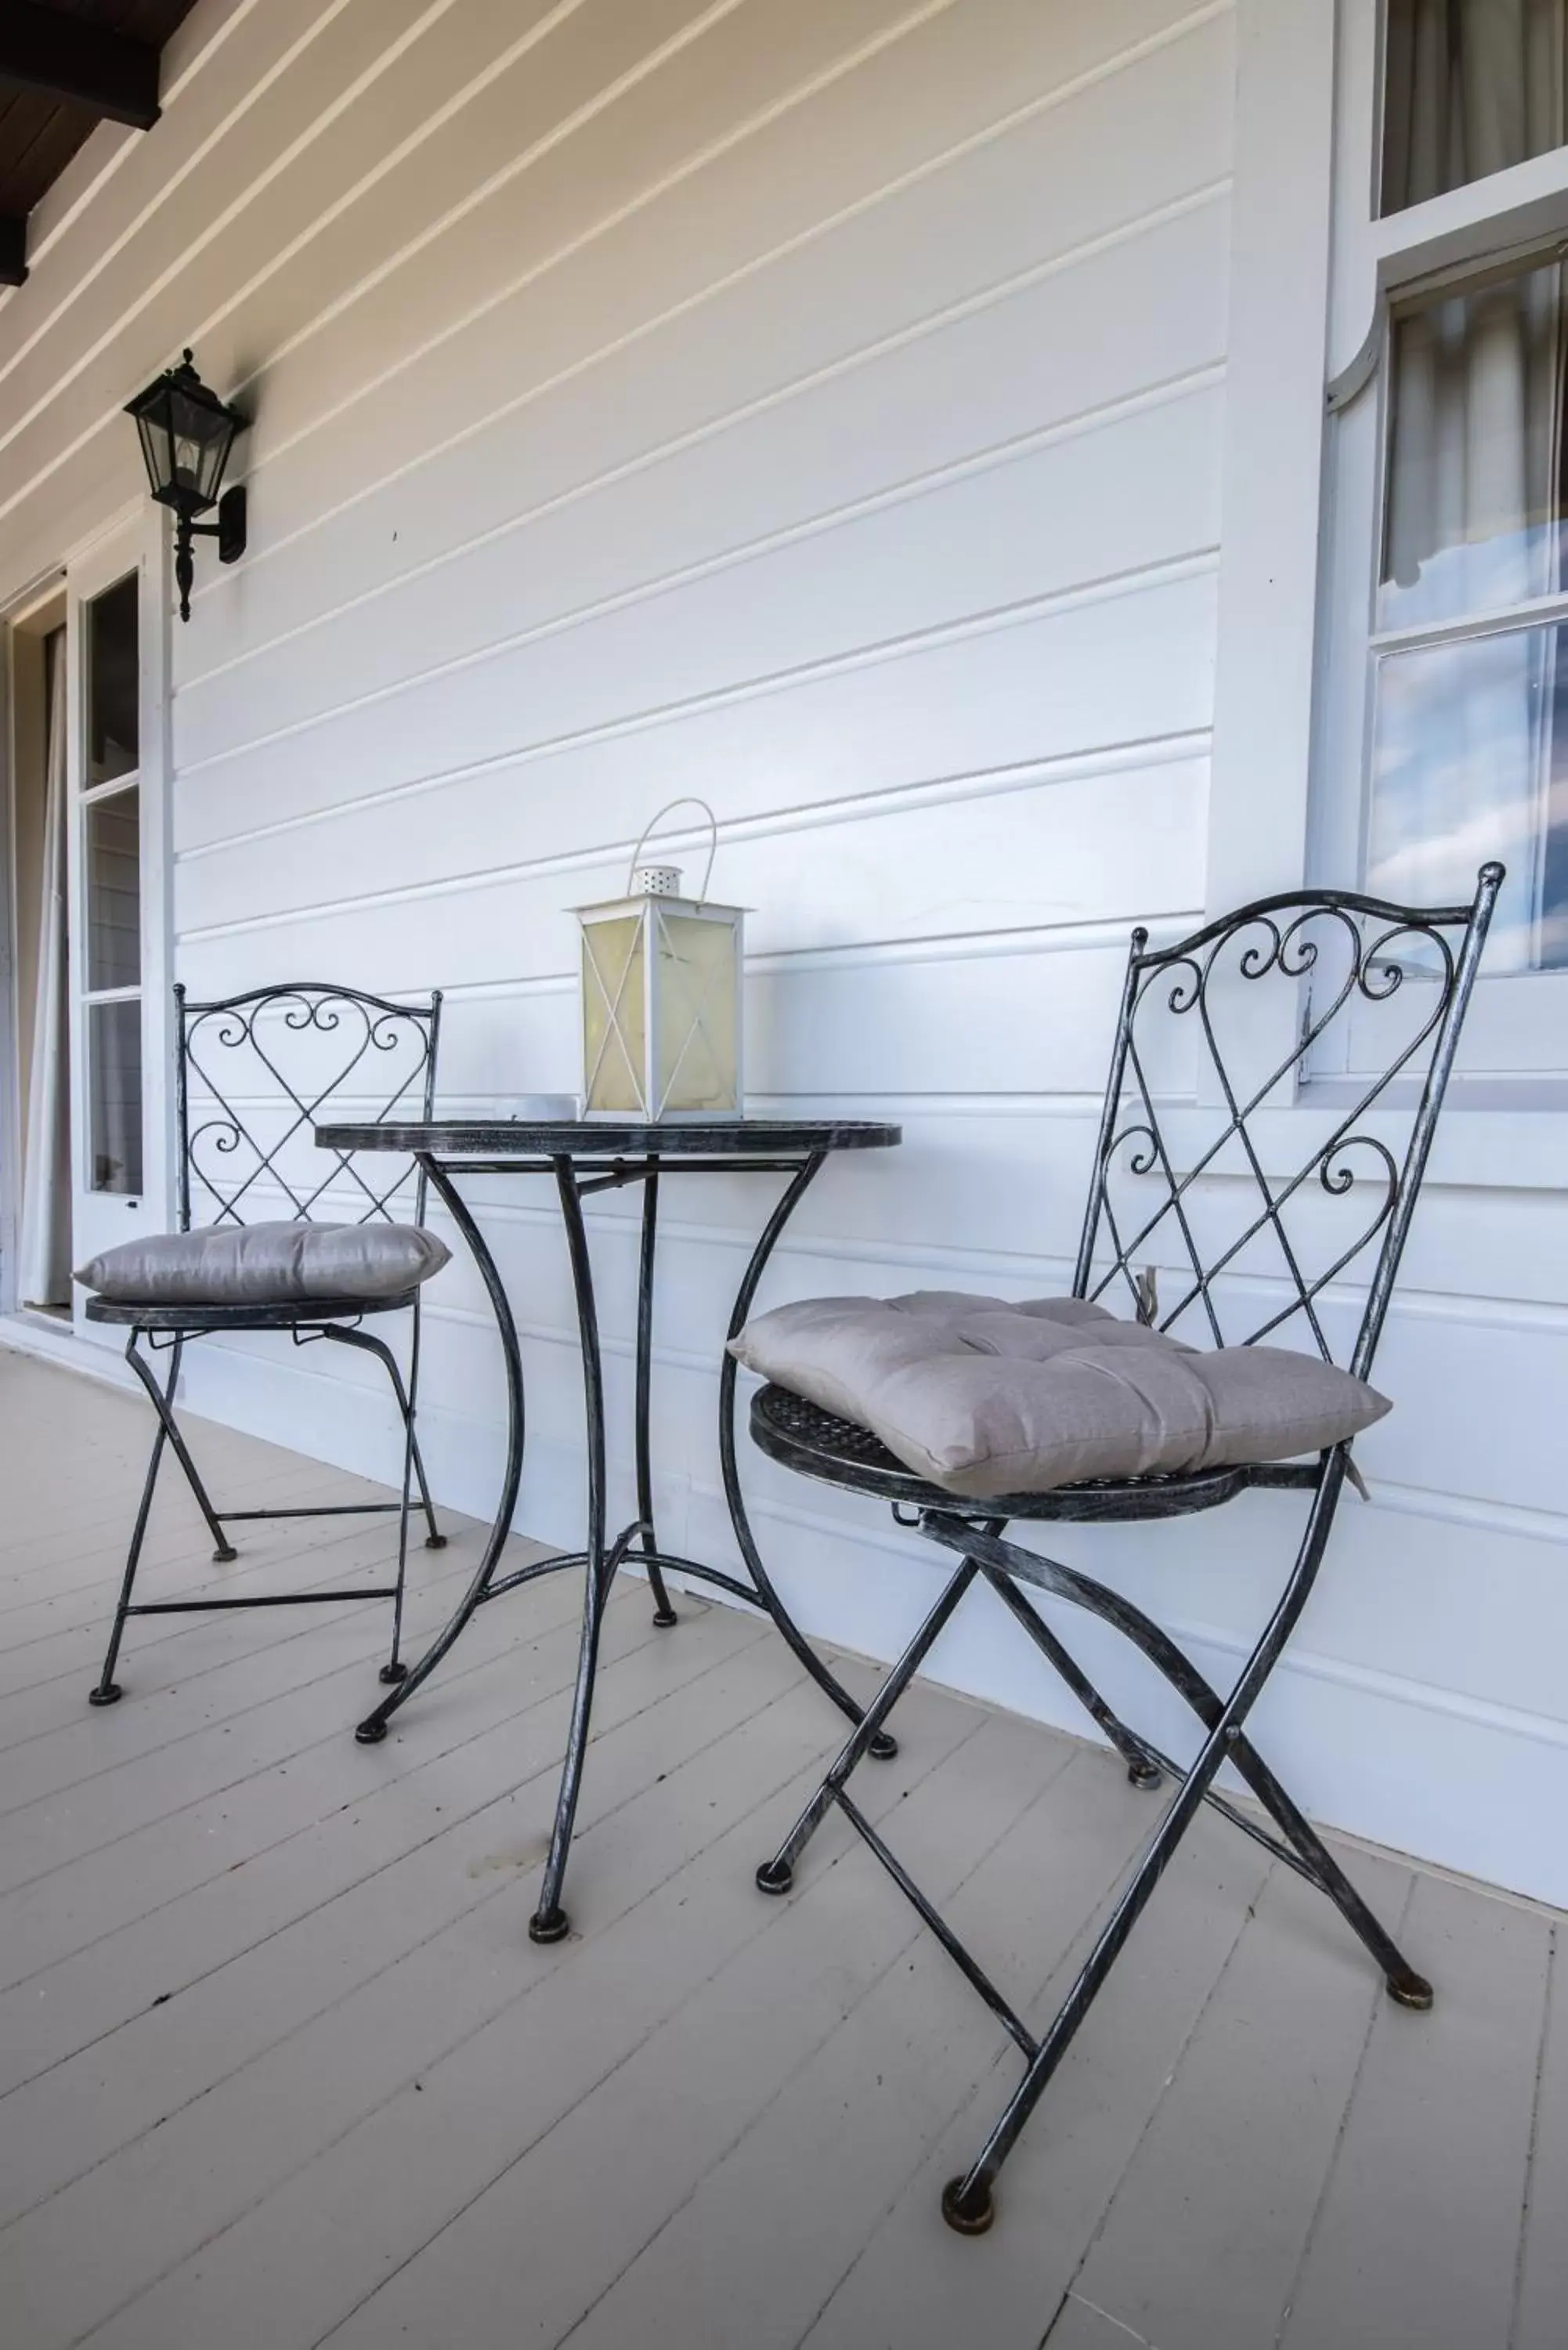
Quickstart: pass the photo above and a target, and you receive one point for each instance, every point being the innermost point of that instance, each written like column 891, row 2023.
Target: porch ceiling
column 64, row 66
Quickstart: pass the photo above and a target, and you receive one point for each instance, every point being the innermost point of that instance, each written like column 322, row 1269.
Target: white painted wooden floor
column 281, row 2068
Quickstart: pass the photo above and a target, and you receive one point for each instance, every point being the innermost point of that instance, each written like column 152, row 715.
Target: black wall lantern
column 186, row 435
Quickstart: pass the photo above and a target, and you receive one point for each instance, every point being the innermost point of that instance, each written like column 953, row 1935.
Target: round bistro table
column 584, row 1157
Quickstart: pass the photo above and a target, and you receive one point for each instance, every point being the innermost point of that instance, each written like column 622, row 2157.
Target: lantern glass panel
column 200, row 434
column 153, row 427
column 695, row 1055
column 613, row 1014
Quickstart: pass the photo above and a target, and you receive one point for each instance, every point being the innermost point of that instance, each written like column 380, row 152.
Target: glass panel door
column 111, row 886
column 115, row 960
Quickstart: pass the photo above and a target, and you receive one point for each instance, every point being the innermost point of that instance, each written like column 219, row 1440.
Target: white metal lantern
column 660, row 996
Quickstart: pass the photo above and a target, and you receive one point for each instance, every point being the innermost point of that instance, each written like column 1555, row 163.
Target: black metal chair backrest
column 1202, row 1189
column 254, row 1075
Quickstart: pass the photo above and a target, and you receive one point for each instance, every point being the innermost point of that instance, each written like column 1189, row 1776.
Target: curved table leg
column 882, row 1745
column 373, row 1729
column 549, row 1921
column 663, row 1614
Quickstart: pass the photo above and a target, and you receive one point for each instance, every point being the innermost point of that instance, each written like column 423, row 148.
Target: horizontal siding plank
column 967, row 703
column 415, row 460
column 182, row 257
column 1038, row 686
column 877, row 433
column 1107, row 849
column 1042, row 524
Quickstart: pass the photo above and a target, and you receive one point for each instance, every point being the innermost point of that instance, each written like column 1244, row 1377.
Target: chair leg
column 108, row 1691
column 777, row 1875
column 1141, row 1771
column 968, row 2201
column 367, row 1339
column 163, row 1404
column 1405, row 1984
column 394, row 1670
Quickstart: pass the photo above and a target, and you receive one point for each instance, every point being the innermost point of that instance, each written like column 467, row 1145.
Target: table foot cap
column 435, row 1542
column 1411, row 1991
column 971, row 2216
column 664, row 1617
column 395, row 1672
column 774, row 1876
column 552, row 1928
column 371, row 1733
column 109, row 1693
column 1146, row 1775
column 883, row 1748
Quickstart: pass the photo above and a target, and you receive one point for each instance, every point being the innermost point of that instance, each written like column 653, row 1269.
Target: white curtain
column 1466, row 745
column 1472, row 86
column 44, row 1265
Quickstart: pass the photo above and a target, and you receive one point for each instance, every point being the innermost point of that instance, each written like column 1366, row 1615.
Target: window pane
column 1476, row 459
column 112, row 683
column 1470, row 87
column 114, row 1083
column 114, row 891
column 1470, row 760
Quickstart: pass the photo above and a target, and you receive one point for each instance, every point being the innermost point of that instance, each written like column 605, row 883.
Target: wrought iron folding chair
column 250, row 1155
column 1391, row 983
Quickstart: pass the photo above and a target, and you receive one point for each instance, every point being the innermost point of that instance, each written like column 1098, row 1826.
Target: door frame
column 49, row 589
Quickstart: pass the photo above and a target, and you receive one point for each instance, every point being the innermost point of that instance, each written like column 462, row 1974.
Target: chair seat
column 816, row 1443
column 234, row 1271
column 290, row 1314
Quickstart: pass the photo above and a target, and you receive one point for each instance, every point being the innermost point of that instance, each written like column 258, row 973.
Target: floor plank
column 1541, row 2320
column 474, row 1744
column 1207, row 2230
column 426, row 2153
column 913, row 2283
column 279, row 2065
column 1080, row 2327
column 1416, row 2245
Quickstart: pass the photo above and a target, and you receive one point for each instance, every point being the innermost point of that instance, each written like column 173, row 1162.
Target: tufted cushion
column 983, row 1397
column 266, row 1264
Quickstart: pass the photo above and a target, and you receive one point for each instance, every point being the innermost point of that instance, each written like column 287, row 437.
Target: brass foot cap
column 971, row 2216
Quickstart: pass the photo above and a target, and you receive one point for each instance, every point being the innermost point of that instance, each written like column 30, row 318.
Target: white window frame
column 1518, row 1031
column 1312, row 278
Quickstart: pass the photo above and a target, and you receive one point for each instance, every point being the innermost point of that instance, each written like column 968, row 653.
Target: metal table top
column 741, row 1137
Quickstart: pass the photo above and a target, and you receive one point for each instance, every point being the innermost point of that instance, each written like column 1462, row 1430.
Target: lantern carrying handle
column 667, row 809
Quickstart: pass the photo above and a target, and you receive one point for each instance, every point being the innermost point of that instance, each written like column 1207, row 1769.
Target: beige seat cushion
column 266, row 1264
column 983, row 1397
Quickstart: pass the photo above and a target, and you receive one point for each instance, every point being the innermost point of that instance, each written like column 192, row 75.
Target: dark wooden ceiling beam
column 106, row 73
column 13, row 249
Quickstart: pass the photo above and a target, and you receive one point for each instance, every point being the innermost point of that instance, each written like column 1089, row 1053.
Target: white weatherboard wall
column 817, row 405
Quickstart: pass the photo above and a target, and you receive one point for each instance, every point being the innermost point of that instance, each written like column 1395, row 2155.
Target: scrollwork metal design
column 231, row 1166
column 1338, row 959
